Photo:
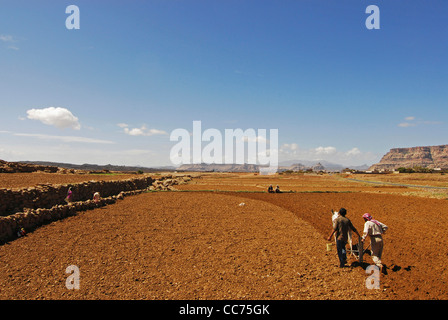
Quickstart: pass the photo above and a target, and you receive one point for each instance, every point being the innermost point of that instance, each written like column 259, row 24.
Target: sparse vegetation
column 417, row 170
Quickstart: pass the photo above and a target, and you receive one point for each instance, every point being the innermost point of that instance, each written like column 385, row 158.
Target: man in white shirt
column 374, row 229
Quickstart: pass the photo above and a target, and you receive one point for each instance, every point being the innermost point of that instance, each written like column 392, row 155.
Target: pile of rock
column 17, row 167
column 167, row 183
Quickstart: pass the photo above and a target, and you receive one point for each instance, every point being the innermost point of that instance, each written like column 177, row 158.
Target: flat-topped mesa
column 426, row 157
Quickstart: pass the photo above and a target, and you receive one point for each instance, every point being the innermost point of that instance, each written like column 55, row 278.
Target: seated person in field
column 96, row 196
column 69, row 197
column 277, row 190
column 271, row 189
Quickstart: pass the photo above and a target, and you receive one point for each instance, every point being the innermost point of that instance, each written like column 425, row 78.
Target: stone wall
column 30, row 219
column 47, row 196
column 29, row 208
column 32, row 207
column 15, row 167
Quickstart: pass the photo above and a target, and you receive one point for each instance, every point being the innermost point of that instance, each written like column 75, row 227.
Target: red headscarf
column 369, row 217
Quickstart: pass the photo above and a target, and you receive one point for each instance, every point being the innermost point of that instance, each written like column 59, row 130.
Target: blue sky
column 137, row 70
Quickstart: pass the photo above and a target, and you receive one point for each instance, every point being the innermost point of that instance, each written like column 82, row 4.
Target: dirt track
column 199, row 245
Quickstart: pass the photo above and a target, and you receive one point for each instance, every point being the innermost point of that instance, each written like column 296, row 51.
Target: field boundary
column 253, row 191
column 397, row 184
column 30, row 208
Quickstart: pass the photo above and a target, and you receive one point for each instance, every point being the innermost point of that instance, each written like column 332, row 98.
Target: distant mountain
column 97, row 167
column 363, row 167
column 328, row 166
column 203, row 167
column 426, row 157
column 311, row 163
column 295, row 165
column 283, row 166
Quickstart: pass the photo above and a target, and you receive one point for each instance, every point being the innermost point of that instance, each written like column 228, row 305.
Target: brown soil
column 24, row 180
column 205, row 245
column 287, row 183
column 182, row 245
column 176, row 246
column 416, row 250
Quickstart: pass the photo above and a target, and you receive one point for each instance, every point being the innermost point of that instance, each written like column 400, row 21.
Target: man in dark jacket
column 341, row 227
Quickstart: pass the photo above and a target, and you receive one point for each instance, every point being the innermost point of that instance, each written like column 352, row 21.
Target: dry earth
column 23, row 180
column 178, row 246
column 205, row 245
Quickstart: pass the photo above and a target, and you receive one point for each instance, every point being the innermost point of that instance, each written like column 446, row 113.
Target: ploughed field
column 24, row 180
column 235, row 242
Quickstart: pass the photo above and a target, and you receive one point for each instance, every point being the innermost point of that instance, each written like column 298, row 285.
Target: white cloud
column 354, row 156
column 431, row 122
column 406, row 124
column 290, row 146
column 9, row 40
column 325, row 150
column 8, row 153
column 254, row 139
column 6, row 38
column 142, row 131
column 63, row 138
column 353, row 152
column 412, row 122
column 135, row 131
column 289, row 150
column 58, row 117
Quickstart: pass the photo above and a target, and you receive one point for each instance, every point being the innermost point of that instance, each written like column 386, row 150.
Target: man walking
column 374, row 229
column 341, row 227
